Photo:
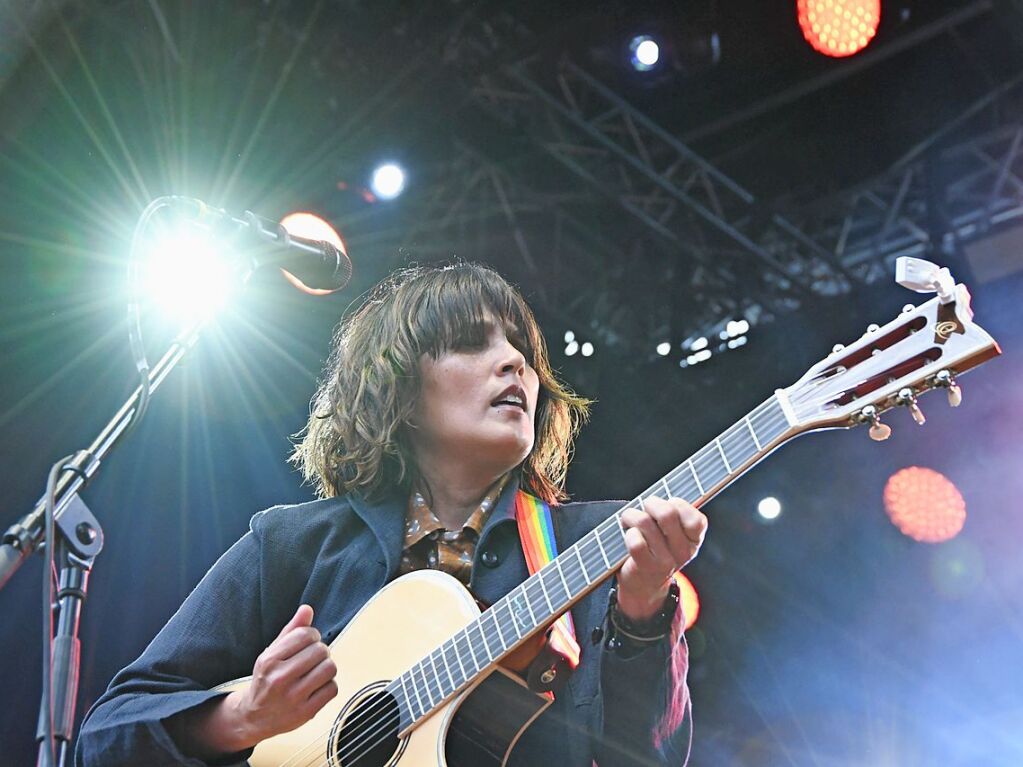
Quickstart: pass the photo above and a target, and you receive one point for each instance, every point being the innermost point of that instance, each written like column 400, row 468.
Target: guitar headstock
column 924, row 348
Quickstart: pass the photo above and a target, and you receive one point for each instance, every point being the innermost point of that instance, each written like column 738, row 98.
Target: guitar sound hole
column 368, row 736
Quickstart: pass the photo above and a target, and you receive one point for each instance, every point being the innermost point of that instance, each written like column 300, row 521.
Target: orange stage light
column 839, row 27
column 924, row 504
column 690, row 599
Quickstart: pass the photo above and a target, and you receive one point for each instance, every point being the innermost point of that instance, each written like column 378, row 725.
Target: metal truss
column 752, row 257
column 937, row 201
column 486, row 210
column 626, row 156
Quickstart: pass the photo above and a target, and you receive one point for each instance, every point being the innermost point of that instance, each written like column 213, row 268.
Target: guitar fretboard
column 578, row 569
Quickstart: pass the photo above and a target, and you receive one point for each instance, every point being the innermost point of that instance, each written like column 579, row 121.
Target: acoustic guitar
column 422, row 681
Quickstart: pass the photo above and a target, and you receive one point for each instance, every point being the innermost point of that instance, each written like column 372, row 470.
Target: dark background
column 825, row 637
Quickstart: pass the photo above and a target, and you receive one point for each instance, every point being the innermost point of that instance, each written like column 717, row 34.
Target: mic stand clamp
column 79, row 540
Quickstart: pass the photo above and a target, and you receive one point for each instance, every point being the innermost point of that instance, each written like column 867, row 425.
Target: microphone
column 314, row 266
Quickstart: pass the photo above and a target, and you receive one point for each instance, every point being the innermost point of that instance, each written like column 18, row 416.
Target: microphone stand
column 79, row 539
column 78, row 535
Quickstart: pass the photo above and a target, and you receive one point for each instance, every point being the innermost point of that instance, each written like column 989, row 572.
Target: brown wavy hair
column 356, row 439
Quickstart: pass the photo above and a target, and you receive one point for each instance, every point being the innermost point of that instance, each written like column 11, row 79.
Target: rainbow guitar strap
column 536, row 532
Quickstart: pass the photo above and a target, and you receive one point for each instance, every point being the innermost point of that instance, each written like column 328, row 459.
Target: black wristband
column 625, row 635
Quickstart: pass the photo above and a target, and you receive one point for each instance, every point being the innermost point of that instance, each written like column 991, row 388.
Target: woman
column 438, row 406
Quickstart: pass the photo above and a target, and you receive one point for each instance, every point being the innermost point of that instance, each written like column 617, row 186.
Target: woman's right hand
column 292, row 679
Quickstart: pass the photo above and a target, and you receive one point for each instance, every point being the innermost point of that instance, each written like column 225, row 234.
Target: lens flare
column 924, row 504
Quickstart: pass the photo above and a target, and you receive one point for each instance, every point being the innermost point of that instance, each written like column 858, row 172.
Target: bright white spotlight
column 569, row 336
column 388, row 181
column 571, row 348
column 664, row 348
column 645, row 53
column 699, row 343
column 736, row 328
column 587, row 349
column 769, row 508
column 185, row 276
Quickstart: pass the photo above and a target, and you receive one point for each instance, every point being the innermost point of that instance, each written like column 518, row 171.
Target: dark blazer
column 334, row 554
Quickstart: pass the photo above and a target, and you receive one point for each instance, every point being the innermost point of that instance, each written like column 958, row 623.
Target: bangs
column 458, row 308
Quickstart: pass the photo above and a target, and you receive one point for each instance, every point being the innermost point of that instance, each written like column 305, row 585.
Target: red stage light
column 839, row 27
column 924, row 504
column 690, row 599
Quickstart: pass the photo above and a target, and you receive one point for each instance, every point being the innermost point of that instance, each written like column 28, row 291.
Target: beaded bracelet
column 621, row 631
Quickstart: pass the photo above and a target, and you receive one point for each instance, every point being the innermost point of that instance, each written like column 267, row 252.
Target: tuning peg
column 947, row 380
column 907, row 398
column 873, row 327
column 837, row 348
column 879, row 432
column 908, row 308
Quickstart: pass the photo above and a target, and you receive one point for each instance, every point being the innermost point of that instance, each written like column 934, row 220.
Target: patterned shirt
column 429, row 545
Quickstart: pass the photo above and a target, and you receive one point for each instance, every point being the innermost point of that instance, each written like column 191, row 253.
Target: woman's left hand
column 661, row 539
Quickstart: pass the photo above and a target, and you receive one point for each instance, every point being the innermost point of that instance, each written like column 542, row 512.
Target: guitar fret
column 753, row 434
column 664, row 484
column 709, row 467
column 613, row 527
column 500, row 636
column 600, row 546
column 458, row 658
column 515, row 623
column 543, row 588
column 692, row 468
column 426, row 686
column 717, row 441
column 529, row 607
column 582, row 565
column 408, row 700
column 483, row 636
column 568, row 591
column 447, row 668
column 472, row 653
column 436, row 676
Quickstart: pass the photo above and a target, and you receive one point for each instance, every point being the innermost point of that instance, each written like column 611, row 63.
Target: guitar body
column 395, row 629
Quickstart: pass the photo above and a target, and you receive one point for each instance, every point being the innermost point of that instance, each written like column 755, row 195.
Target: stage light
column 736, row 328
column 388, row 181
column 185, row 275
column 701, row 356
column 924, row 504
column 571, row 348
column 569, row 336
column 690, row 599
column 587, row 349
column 698, row 344
column 838, row 28
column 664, row 348
column 645, row 53
column 735, row 343
column 769, row 508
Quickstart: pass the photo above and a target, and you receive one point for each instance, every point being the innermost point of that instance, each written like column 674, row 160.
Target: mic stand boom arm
column 25, row 535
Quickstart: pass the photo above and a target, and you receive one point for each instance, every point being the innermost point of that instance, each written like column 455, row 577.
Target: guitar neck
column 548, row 593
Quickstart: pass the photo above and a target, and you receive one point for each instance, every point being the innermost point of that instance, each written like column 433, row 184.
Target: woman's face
column 477, row 406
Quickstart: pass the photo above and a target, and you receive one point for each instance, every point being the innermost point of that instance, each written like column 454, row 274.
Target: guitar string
column 384, row 729
column 595, row 559
column 496, row 636
column 773, row 421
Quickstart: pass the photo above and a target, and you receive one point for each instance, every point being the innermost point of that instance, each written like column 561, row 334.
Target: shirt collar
column 420, row 520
